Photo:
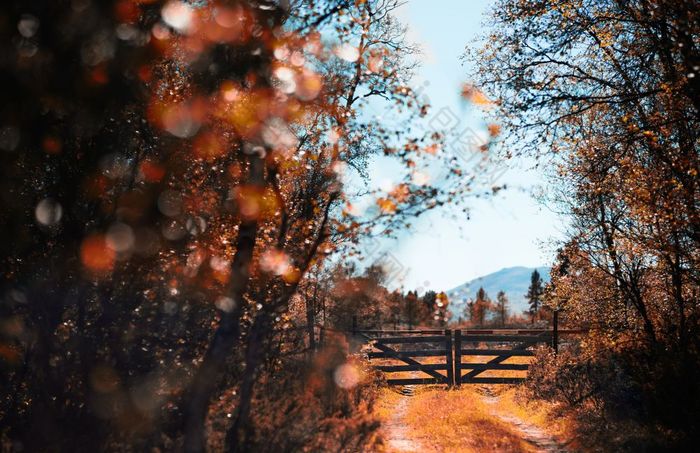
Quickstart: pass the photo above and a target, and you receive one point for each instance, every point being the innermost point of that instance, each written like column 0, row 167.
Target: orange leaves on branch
column 200, row 27
column 181, row 119
column 386, row 205
column 308, row 85
column 352, row 209
column 151, row 171
column 277, row 262
column 209, row 146
column 95, row 254
column 255, row 203
column 248, row 110
column 400, row 193
column 232, row 25
column 375, row 63
column 432, row 149
column 206, row 201
column 475, row 96
column 494, row 130
column 304, row 83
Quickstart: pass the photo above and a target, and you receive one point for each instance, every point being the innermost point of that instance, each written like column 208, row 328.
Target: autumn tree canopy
column 606, row 95
column 171, row 171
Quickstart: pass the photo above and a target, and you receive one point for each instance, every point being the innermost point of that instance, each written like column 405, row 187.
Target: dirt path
column 471, row 432
column 533, row 435
column 397, row 434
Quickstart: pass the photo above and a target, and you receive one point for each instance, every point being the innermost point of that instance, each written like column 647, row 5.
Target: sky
column 445, row 249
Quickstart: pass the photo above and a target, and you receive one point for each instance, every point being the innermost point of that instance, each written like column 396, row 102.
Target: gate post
column 555, row 331
column 458, row 357
column 448, row 357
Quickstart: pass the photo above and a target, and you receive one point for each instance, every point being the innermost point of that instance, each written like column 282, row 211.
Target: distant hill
column 513, row 280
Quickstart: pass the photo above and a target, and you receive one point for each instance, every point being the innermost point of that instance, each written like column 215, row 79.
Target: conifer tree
column 502, row 305
column 534, row 294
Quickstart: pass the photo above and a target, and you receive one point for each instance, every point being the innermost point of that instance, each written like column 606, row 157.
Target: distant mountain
column 514, row 281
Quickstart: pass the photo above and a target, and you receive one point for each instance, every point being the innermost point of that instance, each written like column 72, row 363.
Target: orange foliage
column 96, row 255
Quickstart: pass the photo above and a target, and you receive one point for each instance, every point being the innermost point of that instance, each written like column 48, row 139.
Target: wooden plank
column 397, row 368
column 448, row 357
column 400, row 332
column 506, row 338
column 520, row 331
column 425, row 339
column 413, row 381
column 495, row 366
column 458, row 357
column 492, row 380
column 405, row 354
column 498, row 352
column 410, row 361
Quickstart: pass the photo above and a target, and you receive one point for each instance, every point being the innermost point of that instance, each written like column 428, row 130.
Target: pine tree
column 534, row 294
column 412, row 309
column 429, row 300
column 502, row 305
column 479, row 308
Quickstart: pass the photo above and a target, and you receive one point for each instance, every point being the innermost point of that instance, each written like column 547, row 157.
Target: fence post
column 555, row 331
column 448, row 357
column 354, row 325
column 458, row 357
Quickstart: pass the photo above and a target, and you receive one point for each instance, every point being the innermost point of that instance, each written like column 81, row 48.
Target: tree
column 502, row 306
column 441, row 312
column 415, row 311
column 610, row 90
column 534, row 294
column 362, row 296
column 171, row 171
column 478, row 309
column 429, row 300
column 436, row 308
column 626, row 134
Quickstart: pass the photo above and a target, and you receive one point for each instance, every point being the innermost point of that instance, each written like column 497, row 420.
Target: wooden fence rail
column 432, row 370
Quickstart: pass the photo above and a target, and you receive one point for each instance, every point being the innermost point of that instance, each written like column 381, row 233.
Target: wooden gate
column 407, row 345
column 455, row 359
column 501, row 346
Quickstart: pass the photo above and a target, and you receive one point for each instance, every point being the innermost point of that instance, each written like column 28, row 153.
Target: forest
column 186, row 212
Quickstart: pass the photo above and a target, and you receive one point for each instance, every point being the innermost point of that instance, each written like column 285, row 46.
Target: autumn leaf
column 475, row 96
column 386, row 206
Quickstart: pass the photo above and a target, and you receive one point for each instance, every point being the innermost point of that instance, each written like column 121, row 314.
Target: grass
column 386, row 402
column 459, row 421
column 544, row 415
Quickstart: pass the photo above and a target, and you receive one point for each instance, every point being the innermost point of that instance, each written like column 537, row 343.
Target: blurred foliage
column 170, row 173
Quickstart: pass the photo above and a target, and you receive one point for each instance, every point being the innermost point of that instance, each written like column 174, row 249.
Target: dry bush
column 319, row 404
column 621, row 400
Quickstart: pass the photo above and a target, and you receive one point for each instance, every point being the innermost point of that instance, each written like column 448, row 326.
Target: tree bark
column 227, row 334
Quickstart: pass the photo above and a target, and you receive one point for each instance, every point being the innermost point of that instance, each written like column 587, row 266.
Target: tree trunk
column 227, row 334
column 311, row 318
column 239, row 435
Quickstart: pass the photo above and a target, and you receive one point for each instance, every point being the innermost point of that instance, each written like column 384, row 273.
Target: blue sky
column 444, row 249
